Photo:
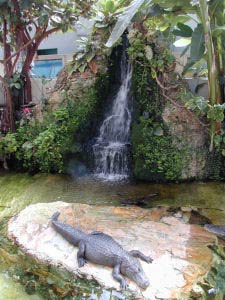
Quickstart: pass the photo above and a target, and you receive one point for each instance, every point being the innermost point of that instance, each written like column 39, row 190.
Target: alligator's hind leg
column 81, row 254
column 116, row 275
column 140, row 255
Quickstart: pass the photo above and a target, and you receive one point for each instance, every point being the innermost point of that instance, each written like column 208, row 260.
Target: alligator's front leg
column 81, row 254
column 140, row 255
column 117, row 276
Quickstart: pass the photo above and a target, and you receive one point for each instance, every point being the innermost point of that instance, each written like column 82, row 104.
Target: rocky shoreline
column 180, row 250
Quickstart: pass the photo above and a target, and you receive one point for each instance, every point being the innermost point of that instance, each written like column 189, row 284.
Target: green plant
column 15, row 84
column 156, row 159
column 203, row 107
column 24, row 24
column 43, row 145
column 8, row 145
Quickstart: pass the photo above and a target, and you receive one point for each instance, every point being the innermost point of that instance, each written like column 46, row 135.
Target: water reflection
column 11, row 290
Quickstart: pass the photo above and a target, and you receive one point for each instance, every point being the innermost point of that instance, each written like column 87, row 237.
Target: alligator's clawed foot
column 123, row 284
column 81, row 262
column 149, row 260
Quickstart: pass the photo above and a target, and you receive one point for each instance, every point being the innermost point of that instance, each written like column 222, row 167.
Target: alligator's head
column 133, row 270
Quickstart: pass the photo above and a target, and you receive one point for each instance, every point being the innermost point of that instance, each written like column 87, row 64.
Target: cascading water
column 111, row 150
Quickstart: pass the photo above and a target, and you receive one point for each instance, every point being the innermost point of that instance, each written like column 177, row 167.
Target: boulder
column 180, row 252
column 189, row 135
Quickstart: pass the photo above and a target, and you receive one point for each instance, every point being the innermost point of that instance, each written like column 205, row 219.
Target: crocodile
column 218, row 230
column 102, row 249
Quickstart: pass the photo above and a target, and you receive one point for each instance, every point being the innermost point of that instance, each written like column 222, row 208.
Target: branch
column 175, row 86
column 15, row 62
column 27, row 33
column 50, row 31
column 176, row 104
column 19, row 50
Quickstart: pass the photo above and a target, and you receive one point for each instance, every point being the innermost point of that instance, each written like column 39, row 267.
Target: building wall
column 66, row 43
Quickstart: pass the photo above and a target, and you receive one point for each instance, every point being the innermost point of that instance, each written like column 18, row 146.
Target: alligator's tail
column 55, row 216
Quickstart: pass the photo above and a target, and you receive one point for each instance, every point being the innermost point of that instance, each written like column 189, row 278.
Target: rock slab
column 180, row 252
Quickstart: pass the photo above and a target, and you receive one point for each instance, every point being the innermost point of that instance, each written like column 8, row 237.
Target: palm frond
column 124, row 20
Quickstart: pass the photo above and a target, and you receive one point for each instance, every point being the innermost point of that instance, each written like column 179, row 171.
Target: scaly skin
column 102, row 249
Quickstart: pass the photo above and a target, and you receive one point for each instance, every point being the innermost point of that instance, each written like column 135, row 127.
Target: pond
column 19, row 190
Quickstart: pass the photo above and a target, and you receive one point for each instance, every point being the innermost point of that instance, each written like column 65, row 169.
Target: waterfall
column 111, row 150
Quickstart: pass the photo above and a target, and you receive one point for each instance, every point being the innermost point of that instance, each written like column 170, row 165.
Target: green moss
column 155, row 157
column 216, row 276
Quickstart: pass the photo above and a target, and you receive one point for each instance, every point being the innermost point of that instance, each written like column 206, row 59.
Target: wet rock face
column 180, row 252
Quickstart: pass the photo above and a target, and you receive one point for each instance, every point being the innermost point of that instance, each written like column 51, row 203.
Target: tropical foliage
column 206, row 41
column 23, row 26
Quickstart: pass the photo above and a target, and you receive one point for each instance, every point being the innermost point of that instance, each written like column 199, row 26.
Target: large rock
column 189, row 134
column 180, row 252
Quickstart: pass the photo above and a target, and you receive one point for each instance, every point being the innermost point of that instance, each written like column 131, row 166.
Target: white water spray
column 111, row 150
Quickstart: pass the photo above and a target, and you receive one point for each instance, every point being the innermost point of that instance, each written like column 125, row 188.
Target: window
column 47, row 68
column 47, row 51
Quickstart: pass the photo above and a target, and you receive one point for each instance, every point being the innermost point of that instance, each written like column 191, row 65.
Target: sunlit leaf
column 183, row 42
column 56, row 19
column 123, row 21
column 110, row 6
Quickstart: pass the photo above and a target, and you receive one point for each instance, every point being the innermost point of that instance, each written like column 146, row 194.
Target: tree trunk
column 7, row 122
column 31, row 50
column 27, row 88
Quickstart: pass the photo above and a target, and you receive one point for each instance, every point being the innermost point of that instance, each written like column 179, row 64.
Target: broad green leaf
column 179, row 19
column 110, row 6
column 164, row 27
column 197, row 43
column 123, row 21
column 183, row 42
column 183, row 31
column 17, row 85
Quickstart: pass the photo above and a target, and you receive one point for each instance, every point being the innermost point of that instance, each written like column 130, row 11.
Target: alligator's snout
column 134, row 271
column 144, row 284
